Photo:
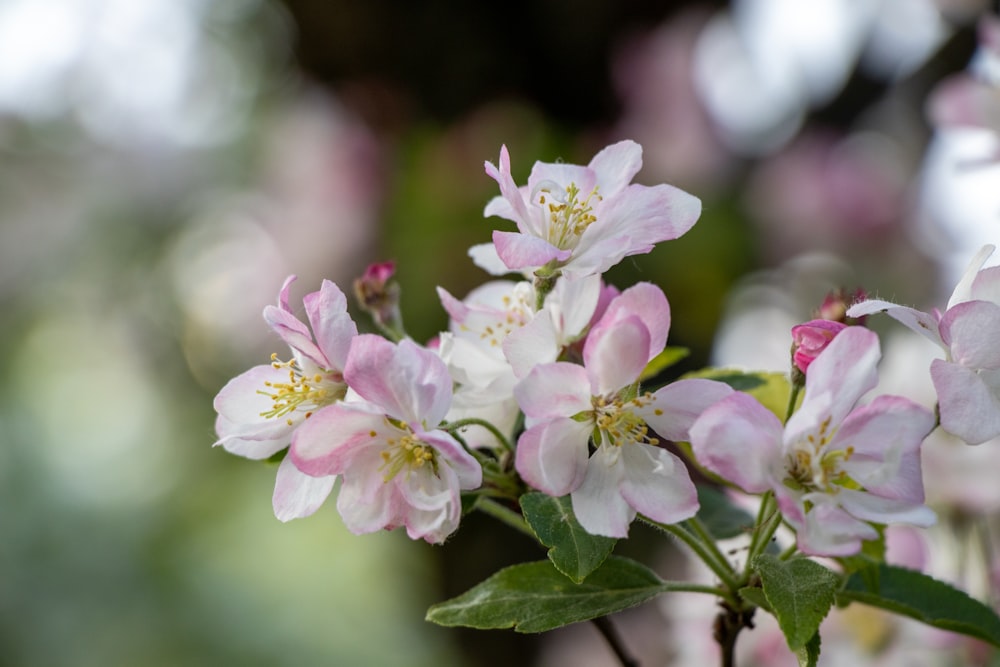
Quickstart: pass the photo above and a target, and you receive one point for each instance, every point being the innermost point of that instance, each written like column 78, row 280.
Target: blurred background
column 164, row 164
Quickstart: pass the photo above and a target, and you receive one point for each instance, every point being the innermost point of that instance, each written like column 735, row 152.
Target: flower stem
column 451, row 427
column 610, row 634
column 505, row 515
column 712, row 557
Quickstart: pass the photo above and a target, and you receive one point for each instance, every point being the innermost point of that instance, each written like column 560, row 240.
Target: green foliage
column 665, row 359
column 808, row 655
column 536, row 597
column 722, row 518
column 800, row 592
column 575, row 552
column 914, row 594
column 771, row 389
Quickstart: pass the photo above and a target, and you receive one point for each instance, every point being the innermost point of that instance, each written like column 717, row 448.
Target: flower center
column 616, row 424
column 303, row 392
column 514, row 313
column 811, row 467
column 406, row 452
column 568, row 214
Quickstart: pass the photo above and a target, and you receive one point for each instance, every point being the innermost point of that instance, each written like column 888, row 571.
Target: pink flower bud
column 836, row 303
column 811, row 338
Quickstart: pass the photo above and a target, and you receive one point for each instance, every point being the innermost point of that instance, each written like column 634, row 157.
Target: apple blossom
column 967, row 380
column 397, row 467
column 834, row 466
column 566, row 404
column 583, row 220
column 259, row 410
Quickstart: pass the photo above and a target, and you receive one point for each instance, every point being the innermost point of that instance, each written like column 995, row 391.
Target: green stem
column 696, row 525
column 454, row 426
column 768, row 520
column 793, row 398
column 721, row 568
column 505, row 515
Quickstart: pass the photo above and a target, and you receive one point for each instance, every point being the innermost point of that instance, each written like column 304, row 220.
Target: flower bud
column 811, row 338
column 836, row 303
column 378, row 295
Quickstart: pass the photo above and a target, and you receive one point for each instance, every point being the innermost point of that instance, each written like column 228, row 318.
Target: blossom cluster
column 538, row 384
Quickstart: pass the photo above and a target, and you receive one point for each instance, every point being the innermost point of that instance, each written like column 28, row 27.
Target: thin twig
column 610, row 634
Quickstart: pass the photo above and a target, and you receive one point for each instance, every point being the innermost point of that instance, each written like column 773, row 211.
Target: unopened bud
column 811, row 338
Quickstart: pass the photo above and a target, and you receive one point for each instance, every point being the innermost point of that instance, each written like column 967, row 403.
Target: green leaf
column 801, row 592
column 665, row 359
column 756, row 597
column 924, row 598
column 771, row 389
column 722, row 518
column 575, row 552
column 535, row 597
column 808, row 655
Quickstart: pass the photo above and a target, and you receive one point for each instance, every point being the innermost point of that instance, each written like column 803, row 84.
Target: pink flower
column 967, row 380
column 584, row 220
column 398, row 468
column 811, row 338
column 566, row 405
column 261, row 409
column 834, row 466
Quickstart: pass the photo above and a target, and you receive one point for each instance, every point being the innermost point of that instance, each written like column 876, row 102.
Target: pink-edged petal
column 972, row 329
column 283, row 294
column 297, row 494
column 251, row 447
column 484, row 255
column 366, row 502
column 739, row 440
column 616, row 165
column 674, row 408
column 871, row 507
column 923, row 323
column 969, row 407
column 657, row 484
column 986, row 286
column 522, row 251
column 616, row 354
column 326, row 443
column 455, row 308
column 884, row 438
column 648, row 303
column 573, row 303
column 601, row 255
column 646, row 215
column 532, row 345
column 554, row 390
column 331, row 324
column 963, row 291
column 598, row 503
column 243, row 407
column 468, row 471
column 830, row 531
column 552, row 179
column 508, row 188
column 295, row 334
column 501, row 208
column 411, row 383
column 837, row 378
column 552, row 456
column 433, row 504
